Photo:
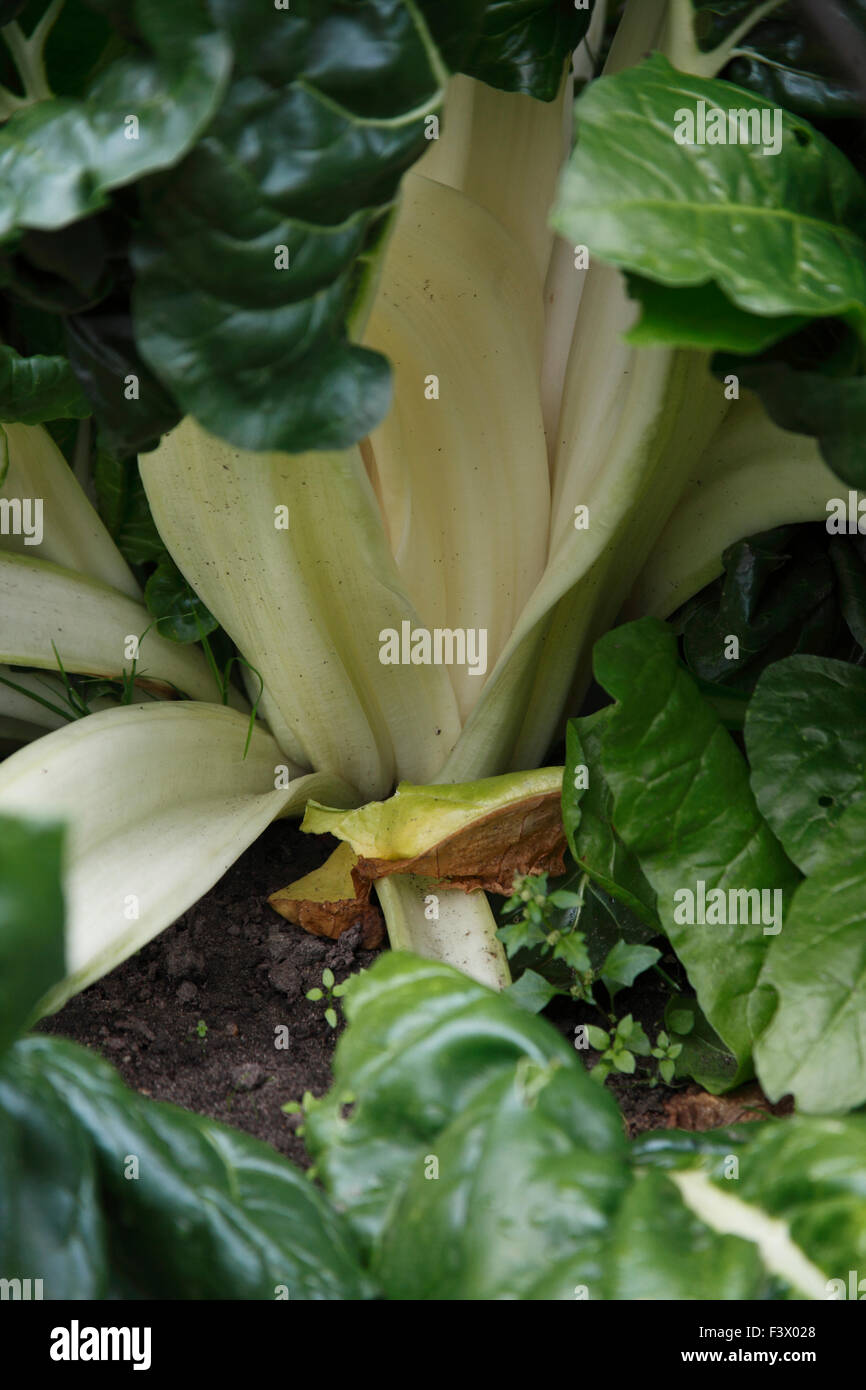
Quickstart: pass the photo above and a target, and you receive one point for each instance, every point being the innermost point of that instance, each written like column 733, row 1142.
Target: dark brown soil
column 196, row 1016
column 237, row 966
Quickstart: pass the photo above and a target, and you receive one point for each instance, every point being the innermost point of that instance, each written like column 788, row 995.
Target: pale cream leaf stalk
column 305, row 604
column 462, row 933
column 159, row 801
column 462, row 479
column 752, row 477
column 73, row 533
column 48, row 612
column 494, row 142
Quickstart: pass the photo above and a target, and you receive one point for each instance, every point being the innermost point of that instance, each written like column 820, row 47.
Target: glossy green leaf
column 684, row 807
column 778, row 235
column 524, row 44
column 661, row 1250
column 256, row 250
column 59, row 158
column 31, row 919
column 815, row 1044
column 778, row 595
column 806, row 741
column 797, row 65
column 210, row 1214
column 811, row 1173
column 423, row 1041
column 597, row 847
column 523, row 1194
column 54, row 1224
column 701, row 316
column 33, row 389
column 177, row 609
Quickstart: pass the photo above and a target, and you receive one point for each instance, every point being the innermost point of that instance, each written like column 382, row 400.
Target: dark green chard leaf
column 60, row 158
column 780, row 594
column 527, row 1178
column 36, row 389
column 268, row 156
column 806, row 741
column 816, row 973
column 810, row 1174
column 778, row 236
column 258, row 249
column 803, row 1175
column 595, row 845
column 661, row 1250
column 131, row 404
column 31, row 920
column 423, row 1042
column 53, row 1224
column 524, row 44
column 684, row 807
column 212, row 1213
column 791, row 61
column 832, row 408
column 177, row 609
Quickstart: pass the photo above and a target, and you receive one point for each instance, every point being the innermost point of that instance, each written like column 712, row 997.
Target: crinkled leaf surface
column 779, row 235
column 806, row 741
column 252, row 255
column 522, row 1198
column 684, row 807
column 424, row 1040
column 523, row 44
column 33, row 389
column 60, row 158
column 815, row 1044
column 212, row 1213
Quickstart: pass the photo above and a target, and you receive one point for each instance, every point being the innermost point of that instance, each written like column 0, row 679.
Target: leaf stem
column 29, row 58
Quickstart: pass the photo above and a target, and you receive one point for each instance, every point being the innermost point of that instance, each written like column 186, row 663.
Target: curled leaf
column 474, row 835
column 327, row 902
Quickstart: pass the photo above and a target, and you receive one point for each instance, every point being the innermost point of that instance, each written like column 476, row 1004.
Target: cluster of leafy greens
column 675, row 808
column 395, row 401
column 454, row 1115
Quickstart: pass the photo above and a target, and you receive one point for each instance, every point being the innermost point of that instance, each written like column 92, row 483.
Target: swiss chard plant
column 405, row 455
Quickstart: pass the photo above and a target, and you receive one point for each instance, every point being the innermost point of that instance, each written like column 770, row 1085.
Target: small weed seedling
column 331, row 992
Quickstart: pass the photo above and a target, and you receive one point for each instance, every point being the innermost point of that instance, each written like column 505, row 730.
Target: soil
column 195, row 1017
column 212, row 1014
